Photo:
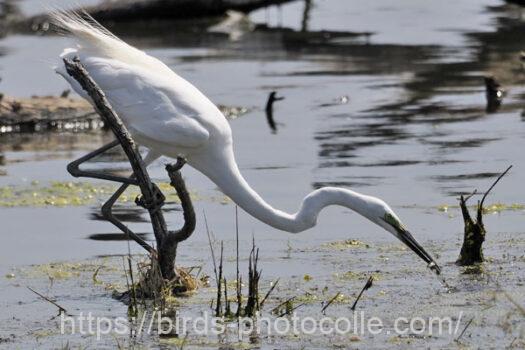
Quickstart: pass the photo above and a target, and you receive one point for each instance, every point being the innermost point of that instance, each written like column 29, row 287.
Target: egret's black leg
column 108, row 215
column 73, row 167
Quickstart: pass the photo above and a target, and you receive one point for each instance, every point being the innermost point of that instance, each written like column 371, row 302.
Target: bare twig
column 238, row 285
column 211, row 247
column 492, row 186
column 367, row 286
column 275, row 309
column 330, row 302
column 465, row 329
column 513, row 301
column 218, row 307
column 466, row 198
column 133, row 304
column 254, row 275
column 227, row 308
column 288, row 312
column 268, row 293
column 61, row 310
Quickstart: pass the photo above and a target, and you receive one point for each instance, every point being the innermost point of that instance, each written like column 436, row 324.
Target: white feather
column 95, row 40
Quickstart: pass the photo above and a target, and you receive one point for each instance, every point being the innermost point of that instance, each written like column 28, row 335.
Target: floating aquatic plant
column 346, row 244
column 62, row 194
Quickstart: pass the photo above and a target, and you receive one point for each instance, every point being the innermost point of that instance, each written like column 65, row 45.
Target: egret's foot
column 155, row 204
column 171, row 168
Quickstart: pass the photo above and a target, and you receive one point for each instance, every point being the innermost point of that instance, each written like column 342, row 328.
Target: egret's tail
column 95, row 40
column 90, row 34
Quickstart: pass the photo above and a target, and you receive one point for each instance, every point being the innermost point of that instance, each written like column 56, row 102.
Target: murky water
column 384, row 97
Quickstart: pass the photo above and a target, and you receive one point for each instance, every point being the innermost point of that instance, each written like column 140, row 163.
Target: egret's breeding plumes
column 171, row 117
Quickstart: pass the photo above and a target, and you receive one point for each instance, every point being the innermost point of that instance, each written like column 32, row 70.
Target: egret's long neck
column 227, row 177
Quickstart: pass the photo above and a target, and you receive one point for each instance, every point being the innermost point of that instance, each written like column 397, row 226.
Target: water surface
column 386, row 98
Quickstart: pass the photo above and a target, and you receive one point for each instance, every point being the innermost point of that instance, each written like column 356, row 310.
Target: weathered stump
column 474, row 231
column 474, row 236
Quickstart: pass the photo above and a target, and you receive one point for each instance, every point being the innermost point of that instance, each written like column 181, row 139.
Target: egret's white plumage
column 171, row 117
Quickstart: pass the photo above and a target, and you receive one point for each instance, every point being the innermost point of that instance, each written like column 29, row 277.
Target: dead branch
column 330, row 302
column 492, row 186
column 368, row 284
column 166, row 240
column 474, row 230
column 61, row 310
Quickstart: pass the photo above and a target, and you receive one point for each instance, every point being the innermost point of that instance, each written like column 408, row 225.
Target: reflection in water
column 353, row 181
column 306, row 15
column 121, row 213
column 441, row 91
column 9, row 12
column 494, row 94
column 116, row 236
column 57, row 142
column 448, row 178
column 468, row 143
column 269, row 110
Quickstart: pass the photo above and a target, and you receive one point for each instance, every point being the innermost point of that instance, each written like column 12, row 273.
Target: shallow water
column 413, row 131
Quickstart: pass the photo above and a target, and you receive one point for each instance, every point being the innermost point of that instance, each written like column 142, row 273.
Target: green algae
column 352, row 276
column 346, row 244
column 63, row 194
column 489, row 209
column 66, row 270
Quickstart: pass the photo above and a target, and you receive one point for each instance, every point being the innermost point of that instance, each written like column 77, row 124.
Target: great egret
column 171, row 117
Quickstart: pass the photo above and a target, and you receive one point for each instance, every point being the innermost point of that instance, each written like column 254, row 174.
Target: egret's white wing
column 146, row 102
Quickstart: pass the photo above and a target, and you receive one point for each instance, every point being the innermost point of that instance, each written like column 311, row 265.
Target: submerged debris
column 46, row 113
column 494, row 93
column 61, row 310
column 474, row 232
column 233, row 112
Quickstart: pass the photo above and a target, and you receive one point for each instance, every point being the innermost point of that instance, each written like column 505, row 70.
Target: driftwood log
column 119, row 11
column 61, row 113
column 126, row 10
column 166, row 240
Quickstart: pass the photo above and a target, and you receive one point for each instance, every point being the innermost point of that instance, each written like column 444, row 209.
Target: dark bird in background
column 269, row 110
column 494, row 93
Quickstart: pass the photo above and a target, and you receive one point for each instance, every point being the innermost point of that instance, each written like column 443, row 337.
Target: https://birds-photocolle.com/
column 170, row 117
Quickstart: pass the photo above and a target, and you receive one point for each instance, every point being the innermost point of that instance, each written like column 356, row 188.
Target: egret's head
column 385, row 217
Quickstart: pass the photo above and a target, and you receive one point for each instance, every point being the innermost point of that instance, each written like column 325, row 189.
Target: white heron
column 171, row 117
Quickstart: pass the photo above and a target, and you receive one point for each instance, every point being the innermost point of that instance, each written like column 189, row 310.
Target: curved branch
column 185, row 200
column 494, row 184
